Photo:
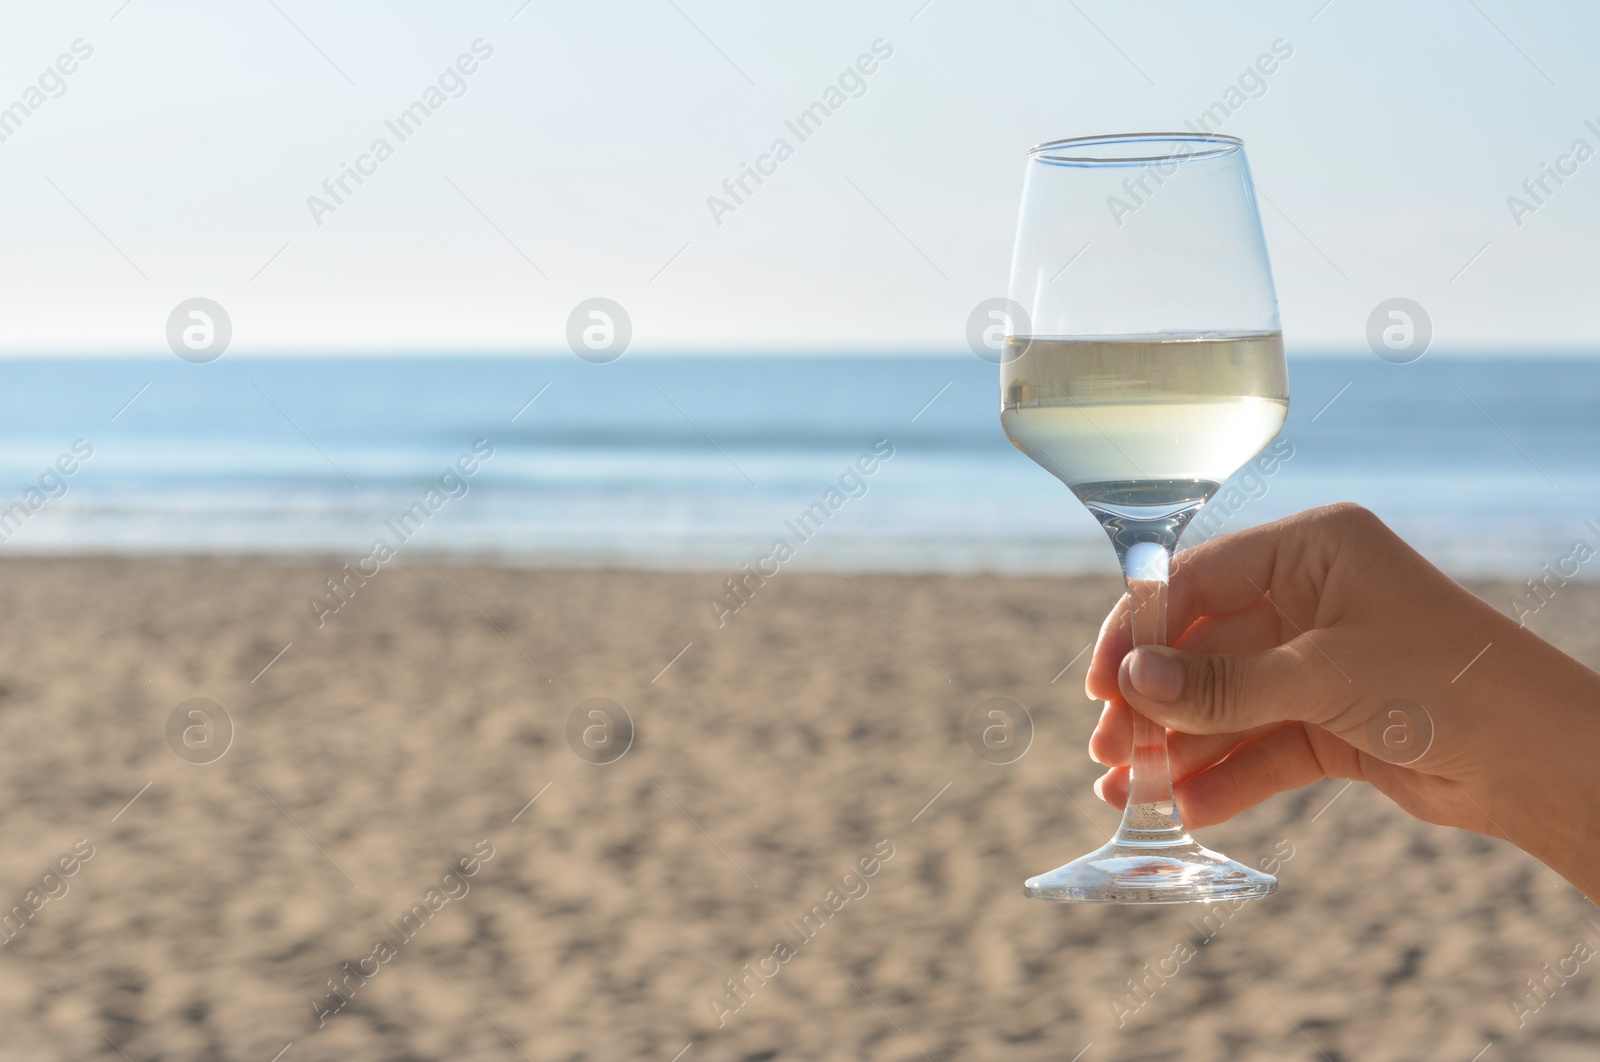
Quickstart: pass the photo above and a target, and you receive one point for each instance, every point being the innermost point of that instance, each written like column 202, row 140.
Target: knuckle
column 1213, row 697
column 1346, row 525
column 1351, row 516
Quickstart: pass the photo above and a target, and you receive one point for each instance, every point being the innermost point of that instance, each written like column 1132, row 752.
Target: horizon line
column 494, row 353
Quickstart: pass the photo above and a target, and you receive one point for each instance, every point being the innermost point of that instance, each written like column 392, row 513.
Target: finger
column 1189, row 754
column 1271, row 764
column 1274, row 763
column 1250, row 630
column 1234, row 571
column 1111, row 744
column 1202, row 694
column 1112, row 741
column 1112, row 787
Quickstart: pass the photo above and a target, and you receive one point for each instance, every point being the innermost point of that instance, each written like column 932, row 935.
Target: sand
column 822, row 731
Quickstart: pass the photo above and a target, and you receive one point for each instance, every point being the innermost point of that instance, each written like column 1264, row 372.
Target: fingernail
column 1099, row 784
column 1154, row 675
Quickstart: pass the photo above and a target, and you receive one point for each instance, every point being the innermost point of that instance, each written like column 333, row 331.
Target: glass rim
column 1065, row 152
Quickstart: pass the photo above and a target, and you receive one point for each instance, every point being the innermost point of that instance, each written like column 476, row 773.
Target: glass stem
column 1152, row 816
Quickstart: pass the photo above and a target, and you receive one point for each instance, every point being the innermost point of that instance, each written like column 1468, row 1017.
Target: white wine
column 1143, row 423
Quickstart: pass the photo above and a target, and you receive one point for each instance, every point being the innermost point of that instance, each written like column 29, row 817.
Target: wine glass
column 1143, row 367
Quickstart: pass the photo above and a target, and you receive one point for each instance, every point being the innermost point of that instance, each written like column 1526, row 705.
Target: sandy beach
column 361, row 874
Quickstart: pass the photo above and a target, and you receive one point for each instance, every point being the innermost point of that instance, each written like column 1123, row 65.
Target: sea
column 1489, row 465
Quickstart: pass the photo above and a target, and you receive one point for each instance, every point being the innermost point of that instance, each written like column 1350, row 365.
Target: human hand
column 1324, row 646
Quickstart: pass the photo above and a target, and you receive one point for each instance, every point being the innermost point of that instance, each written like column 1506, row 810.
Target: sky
column 579, row 157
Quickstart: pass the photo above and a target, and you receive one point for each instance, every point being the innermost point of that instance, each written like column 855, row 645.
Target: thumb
column 1205, row 694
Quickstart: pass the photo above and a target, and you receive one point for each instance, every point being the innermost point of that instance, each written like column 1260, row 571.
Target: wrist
column 1543, row 790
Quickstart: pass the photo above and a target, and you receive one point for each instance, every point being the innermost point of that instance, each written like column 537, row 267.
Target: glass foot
column 1151, row 866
